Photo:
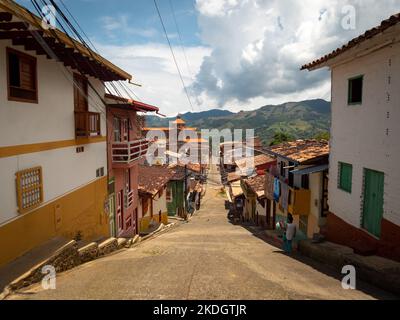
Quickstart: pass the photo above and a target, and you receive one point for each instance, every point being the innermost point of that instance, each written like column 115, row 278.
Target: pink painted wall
column 119, row 173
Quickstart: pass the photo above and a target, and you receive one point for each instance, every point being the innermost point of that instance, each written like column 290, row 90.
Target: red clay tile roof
column 178, row 172
column 233, row 176
column 385, row 24
column 195, row 167
column 302, row 150
column 153, row 178
column 179, row 121
column 256, row 184
column 257, row 160
column 135, row 105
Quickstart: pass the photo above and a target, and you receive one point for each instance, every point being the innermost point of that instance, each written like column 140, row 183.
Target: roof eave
column 24, row 14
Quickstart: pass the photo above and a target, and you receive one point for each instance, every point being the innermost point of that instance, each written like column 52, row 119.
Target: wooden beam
column 16, row 34
column 13, row 25
column 5, row 16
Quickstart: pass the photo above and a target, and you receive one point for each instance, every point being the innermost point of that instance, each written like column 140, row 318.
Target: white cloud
column 115, row 25
column 152, row 66
column 251, row 56
column 258, row 47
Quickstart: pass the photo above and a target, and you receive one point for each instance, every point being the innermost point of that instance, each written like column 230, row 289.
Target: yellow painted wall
column 145, row 221
column 79, row 211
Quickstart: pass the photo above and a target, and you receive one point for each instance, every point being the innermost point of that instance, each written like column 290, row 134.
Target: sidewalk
column 378, row 271
column 24, row 263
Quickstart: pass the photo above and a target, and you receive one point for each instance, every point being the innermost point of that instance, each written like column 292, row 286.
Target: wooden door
column 373, row 201
column 124, row 130
column 120, row 210
column 80, row 93
column 324, row 205
column 111, row 202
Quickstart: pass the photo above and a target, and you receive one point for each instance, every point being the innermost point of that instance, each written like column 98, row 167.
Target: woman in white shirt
column 289, row 235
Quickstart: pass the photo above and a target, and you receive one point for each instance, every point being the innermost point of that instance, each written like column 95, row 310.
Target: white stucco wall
column 359, row 132
column 160, row 204
column 259, row 208
column 63, row 171
column 50, row 120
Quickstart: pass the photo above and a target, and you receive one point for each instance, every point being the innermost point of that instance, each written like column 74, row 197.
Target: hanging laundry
column 277, row 189
column 284, row 196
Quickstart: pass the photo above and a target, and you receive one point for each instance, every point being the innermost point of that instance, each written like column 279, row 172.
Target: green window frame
column 345, row 176
column 351, row 100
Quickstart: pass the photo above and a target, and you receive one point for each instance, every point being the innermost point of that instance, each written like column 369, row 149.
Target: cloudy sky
column 233, row 54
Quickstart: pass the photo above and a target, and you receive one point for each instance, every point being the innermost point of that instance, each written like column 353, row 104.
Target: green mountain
column 298, row 120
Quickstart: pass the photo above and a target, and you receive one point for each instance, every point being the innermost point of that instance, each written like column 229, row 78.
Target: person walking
column 289, row 235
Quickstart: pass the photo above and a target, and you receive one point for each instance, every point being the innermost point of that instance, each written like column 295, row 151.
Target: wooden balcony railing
column 124, row 153
column 87, row 124
column 299, row 201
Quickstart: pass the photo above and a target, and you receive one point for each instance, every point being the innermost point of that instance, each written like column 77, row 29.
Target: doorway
column 373, row 201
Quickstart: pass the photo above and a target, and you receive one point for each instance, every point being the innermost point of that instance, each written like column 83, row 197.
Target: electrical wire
column 173, row 54
column 122, row 85
column 180, row 39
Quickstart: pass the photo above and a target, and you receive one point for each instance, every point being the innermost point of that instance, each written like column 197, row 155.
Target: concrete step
column 378, row 271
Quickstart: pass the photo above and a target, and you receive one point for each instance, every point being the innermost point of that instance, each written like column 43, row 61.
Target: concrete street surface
column 207, row 258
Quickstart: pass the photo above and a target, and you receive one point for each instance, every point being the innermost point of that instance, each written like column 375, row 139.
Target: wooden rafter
column 13, row 25
column 5, row 16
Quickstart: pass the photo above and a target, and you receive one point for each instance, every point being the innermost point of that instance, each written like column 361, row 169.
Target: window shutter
column 27, row 74
column 345, row 177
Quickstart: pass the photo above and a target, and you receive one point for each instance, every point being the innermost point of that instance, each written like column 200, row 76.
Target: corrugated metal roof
column 312, row 169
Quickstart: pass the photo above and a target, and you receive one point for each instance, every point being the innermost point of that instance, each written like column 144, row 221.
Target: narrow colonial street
column 207, row 258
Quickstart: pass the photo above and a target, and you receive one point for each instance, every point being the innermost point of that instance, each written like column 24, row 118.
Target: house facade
column 175, row 194
column 152, row 207
column 53, row 151
column 364, row 184
column 177, row 141
column 126, row 148
column 297, row 185
column 254, row 209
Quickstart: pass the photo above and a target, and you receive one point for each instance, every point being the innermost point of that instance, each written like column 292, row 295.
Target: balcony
column 299, row 201
column 125, row 154
column 87, row 124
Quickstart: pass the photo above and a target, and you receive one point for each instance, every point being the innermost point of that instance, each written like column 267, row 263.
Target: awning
column 121, row 102
column 312, row 169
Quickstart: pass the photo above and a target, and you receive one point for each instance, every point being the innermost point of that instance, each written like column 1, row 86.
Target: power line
column 173, row 54
column 180, row 38
column 124, row 87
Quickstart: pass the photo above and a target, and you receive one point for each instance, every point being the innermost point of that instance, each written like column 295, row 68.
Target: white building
column 364, row 174
column 53, row 154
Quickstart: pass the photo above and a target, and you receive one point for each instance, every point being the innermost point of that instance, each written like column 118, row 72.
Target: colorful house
column 297, row 185
column 152, row 208
column 364, row 184
column 177, row 136
column 53, row 149
column 126, row 149
column 175, row 195
column 254, row 205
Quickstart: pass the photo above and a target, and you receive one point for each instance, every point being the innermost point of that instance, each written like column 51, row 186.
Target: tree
column 322, row 135
column 280, row 137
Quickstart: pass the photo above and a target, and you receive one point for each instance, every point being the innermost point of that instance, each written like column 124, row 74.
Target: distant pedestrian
column 289, row 235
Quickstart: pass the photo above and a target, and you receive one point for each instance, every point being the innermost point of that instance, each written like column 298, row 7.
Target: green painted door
column 373, row 201
column 111, row 202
